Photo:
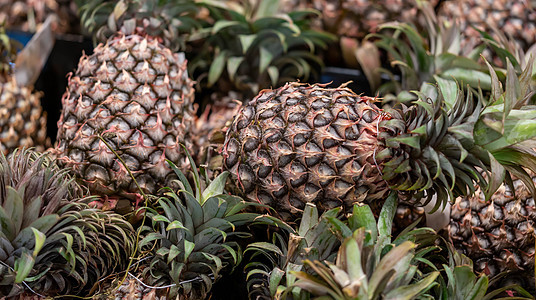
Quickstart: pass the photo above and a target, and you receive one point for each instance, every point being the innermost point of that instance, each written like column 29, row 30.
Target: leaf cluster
column 251, row 46
column 49, row 240
column 194, row 235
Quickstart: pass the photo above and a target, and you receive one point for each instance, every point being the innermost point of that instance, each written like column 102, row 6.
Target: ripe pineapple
column 270, row 266
column 50, row 242
column 498, row 235
column 368, row 265
column 28, row 15
column 128, row 107
column 302, row 143
column 516, row 19
column 361, row 272
column 22, row 119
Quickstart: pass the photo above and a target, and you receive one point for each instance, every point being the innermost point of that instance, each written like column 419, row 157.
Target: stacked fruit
column 29, row 15
column 22, row 120
column 323, row 171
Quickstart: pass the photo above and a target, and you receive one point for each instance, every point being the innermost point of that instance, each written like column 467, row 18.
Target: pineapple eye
column 322, row 119
column 87, row 130
column 319, row 104
column 370, row 115
column 76, row 155
column 175, row 96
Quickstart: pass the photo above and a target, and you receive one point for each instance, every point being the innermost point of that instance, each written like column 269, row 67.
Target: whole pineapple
column 28, row 15
column 22, row 119
column 128, row 106
column 302, row 143
column 497, row 234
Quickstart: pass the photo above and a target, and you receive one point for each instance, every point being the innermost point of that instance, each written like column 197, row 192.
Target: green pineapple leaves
column 453, row 134
column 287, row 252
column 48, row 241
column 507, row 128
column 435, row 57
column 251, row 46
column 170, row 21
column 368, row 264
column 194, row 234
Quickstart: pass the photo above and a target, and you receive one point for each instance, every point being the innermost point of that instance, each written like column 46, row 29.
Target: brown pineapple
column 497, row 234
column 329, row 146
column 22, row 119
column 127, row 109
column 516, row 19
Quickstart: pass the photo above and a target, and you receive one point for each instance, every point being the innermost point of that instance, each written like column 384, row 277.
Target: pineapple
column 287, row 252
column 474, row 222
column 498, row 235
column 516, row 19
column 209, row 131
column 22, row 119
column 128, row 106
column 308, row 143
column 359, row 274
column 28, row 15
column 50, row 242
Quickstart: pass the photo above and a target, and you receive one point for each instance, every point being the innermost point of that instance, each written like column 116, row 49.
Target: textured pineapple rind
column 22, row 119
column 135, row 94
column 300, row 144
column 499, row 234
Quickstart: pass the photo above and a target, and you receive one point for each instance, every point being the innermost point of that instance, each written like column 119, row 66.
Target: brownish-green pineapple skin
column 357, row 18
column 127, row 109
column 22, row 119
column 300, row 144
column 516, row 19
column 497, row 234
column 29, row 15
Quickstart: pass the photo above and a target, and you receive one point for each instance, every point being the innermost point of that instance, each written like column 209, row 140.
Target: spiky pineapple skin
column 22, row 119
column 357, row 18
column 132, row 96
column 29, row 15
column 497, row 234
column 300, row 144
column 516, row 19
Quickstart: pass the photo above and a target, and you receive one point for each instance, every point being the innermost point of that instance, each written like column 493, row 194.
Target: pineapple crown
column 369, row 264
column 170, row 22
column 252, row 46
column 47, row 242
column 442, row 143
column 287, row 251
column 195, row 231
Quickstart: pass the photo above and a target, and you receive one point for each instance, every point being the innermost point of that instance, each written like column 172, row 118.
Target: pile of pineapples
column 306, row 192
